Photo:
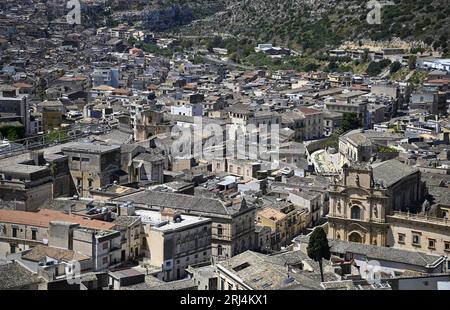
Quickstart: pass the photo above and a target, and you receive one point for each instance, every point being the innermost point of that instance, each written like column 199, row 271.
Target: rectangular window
column 13, row 249
column 105, row 246
column 105, row 260
column 75, row 158
column 14, row 232
column 85, row 160
column 401, row 238
column 33, row 234
column 431, row 244
column 416, row 239
column 447, row 246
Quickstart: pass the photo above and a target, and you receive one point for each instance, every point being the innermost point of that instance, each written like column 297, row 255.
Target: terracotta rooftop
column 43, row 218
column 249, row 74
column 152, row 87
column 308, row 111
column 104, row 88
column 23, row 85
column 72, row 78
column 272, row 214
column 136, row 50
column 191, row 86
column 40, row 252
column 439, row 81
column 213, row 98
column 122, row 91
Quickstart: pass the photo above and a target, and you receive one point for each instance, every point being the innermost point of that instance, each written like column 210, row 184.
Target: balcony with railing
column 421, row 218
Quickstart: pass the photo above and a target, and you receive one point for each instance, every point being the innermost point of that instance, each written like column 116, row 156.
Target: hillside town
column 130, row 161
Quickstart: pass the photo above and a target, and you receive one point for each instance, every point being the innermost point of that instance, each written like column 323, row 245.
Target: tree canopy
column 375, row 68
column 350, row 121
column 395, row 66
column 318, row 247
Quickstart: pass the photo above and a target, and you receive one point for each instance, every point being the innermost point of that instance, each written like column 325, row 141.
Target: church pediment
column 356, row 192
column 357, row 227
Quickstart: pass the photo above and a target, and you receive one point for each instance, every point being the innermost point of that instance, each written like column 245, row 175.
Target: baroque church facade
column 365, row 195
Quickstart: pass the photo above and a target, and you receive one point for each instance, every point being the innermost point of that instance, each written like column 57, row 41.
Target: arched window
column 219, row 230
column 356, row 213
column 355, row 237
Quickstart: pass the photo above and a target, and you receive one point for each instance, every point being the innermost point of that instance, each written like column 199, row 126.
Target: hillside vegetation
column 310, row 26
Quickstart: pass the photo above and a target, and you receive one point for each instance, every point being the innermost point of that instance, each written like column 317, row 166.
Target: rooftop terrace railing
column 422, row 218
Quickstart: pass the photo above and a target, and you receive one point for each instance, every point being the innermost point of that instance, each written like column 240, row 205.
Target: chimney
column 127, row 209
column 38, row 158
column 61, row 234
column 69, row 209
